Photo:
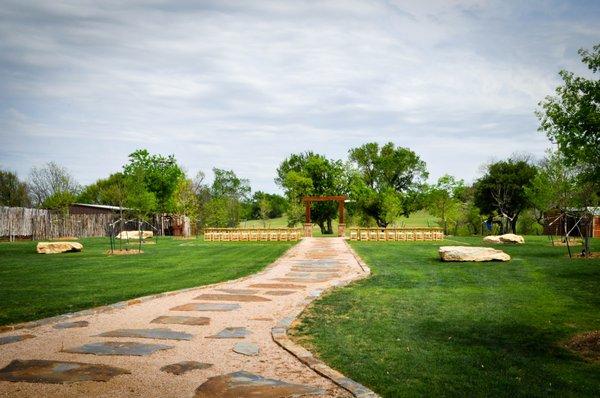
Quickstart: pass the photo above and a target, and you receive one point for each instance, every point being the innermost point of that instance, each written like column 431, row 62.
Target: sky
column 242, row 84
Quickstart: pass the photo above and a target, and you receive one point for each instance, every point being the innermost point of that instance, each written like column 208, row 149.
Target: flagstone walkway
column 208, row 342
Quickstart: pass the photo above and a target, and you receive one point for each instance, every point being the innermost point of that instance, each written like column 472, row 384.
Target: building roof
column 106, row 207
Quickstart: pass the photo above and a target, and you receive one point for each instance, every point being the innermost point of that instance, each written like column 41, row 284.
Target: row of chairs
column 396, row 234
column 252, row 235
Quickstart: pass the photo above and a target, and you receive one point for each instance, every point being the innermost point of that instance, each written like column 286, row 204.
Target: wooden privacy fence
column 39, row 224
column 252, row 234
column 396, row 234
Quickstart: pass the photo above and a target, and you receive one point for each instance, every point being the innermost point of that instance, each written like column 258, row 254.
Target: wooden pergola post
column 308, row 224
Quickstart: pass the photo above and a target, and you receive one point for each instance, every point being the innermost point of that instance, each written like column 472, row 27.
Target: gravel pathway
column 211, row 341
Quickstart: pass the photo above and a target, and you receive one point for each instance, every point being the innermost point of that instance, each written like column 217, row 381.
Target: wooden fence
column 396, row 234
column 251, row 234
column 39, row 224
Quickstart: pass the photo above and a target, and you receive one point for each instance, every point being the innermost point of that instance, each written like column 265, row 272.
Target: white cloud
column 240, row 85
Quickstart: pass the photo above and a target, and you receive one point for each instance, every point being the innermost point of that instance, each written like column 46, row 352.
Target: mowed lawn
column 34, row 286
column 419, row 327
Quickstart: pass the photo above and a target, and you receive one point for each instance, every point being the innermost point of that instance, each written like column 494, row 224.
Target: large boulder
column 470, row 253
column 134, row 235
column 512, row 238
column 492, row 239
column 58, row 247
column 506, row 238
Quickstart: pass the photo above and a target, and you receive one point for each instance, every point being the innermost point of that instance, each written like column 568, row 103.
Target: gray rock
column 245, row 348
column 42, row 371
column 160, row 333
column 118, row 348
column 231, row 333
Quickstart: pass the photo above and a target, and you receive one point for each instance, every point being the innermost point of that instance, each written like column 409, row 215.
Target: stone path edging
column 133, row 301
column 279, row 335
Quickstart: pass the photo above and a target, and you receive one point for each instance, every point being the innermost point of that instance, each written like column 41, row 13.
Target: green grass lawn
column 420, row 218
column 419, row 327
column 34, row 286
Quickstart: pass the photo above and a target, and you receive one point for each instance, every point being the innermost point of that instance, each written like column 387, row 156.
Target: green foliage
column 154, row 174
column 227, row 194
column 277, row 205
column 59, row 201
column 571, row 118
column 388, row 181
column 442, row 200
column 311, row 174
column 554, row 187
column 186, row 200
column 13, row 192
column 502, row 190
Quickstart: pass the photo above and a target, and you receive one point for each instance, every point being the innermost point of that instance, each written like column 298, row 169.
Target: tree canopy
column 502, row 190
column 158, row 174
column 387, row 181
column 309, row 174
column 13, row 192
column 571, row 118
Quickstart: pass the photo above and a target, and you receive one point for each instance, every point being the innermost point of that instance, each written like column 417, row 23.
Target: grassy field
column 34, row 286
column 419, row 327
column 417, row 219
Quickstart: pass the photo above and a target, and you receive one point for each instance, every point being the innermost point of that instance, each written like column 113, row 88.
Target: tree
column 52, row 180
column 277, row 205
column 441, row 200
column 158, row 174
column 227, row 192
column 186, row 201
column 310, row 174
column 502, row 189
column 571, row 118
column 387, row 182
column 265, row 209
column 13, row 192
column 554, row 187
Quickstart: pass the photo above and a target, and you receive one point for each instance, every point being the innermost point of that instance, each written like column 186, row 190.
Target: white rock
column 492, row 239
column 506, row 238
column 511, row 238
column 58, row 247
column 469, row 253
column 134, row 235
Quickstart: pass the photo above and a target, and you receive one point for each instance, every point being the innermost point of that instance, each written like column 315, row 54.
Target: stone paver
column 245, row 348
column 15, row 338
column 70, row 325
column 119, row 348
column 245, row 298
column 206, row 307
column 231, row 333
column 247, row 385
column 181, row 320
column 228, row 312
column 185, row 366
column 44, row 371
column 160, row 334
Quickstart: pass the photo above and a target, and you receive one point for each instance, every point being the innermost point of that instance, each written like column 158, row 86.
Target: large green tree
column 388, row 181
column 311, row 174
column 158, row 175
column 502, row 190
column 13, row 192
column 571, row 118
column 227, row 194
column 442, row 200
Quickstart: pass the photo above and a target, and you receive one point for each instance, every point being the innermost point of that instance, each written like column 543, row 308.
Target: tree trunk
column 322, row 227
column 329, row 227
column 513, row 224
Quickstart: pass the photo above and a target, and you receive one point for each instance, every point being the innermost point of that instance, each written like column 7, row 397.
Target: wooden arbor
column 307, row 202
